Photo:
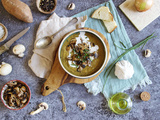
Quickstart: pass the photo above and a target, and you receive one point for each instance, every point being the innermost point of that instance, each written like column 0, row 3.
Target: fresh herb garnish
column 74, row 65
column 86, row 50
column 128, row 50
column 74, row 50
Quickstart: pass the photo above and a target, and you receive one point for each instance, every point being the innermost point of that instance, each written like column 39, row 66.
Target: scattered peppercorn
column 47, row 5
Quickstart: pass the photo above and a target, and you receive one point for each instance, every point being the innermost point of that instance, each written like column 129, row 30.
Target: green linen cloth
column 113, row 84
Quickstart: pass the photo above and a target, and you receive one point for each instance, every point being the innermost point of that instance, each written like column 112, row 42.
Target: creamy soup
column 82, row 54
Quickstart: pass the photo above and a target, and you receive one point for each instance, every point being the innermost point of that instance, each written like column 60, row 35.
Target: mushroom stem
column 37, row 111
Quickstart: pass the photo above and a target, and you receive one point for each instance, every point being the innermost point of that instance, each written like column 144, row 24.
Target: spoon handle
column 72, row 22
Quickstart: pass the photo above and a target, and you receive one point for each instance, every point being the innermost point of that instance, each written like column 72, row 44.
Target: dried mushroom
column 16, row 95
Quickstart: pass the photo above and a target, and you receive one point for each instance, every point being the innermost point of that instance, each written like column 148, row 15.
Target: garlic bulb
column 19, row 50
column 124, row 70
column 5, row 69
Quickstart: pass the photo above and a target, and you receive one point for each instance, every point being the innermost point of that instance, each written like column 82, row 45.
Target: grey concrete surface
column 97, row 108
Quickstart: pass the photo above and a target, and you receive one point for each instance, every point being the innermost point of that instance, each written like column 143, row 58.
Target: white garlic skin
column 124, row 70
column 19, row 50
column 5, row 69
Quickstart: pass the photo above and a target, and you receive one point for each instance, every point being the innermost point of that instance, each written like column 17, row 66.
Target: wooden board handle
column 55, row 79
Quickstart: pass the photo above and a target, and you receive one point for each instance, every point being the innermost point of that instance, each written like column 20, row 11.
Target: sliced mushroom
column 69, row 58
column 5, row 97
column 95, row 54
column 79, row 69
column 23, row 88
column 12, row 100
column 92, row 44
column 19, row 85
column 13, row 83
column 84, row 64
column 18, row 102
column 89, row 62
column 68, row 48
column 20, row 94
column 11, row 104
column 16, row 90
column 81, row 51
column 75, row 57
column 25, row 95
column 78, row 62
column 7, row 91
column 77, row 49
column 73, row 41
column 24, row 101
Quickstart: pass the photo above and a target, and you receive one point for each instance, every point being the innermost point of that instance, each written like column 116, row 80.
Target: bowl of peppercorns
column 46, row 6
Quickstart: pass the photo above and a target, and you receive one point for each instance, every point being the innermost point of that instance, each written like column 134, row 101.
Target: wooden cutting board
column 59, row 77
column 140, row 19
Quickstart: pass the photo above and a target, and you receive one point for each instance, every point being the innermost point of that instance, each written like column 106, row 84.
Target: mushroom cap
column 81, row 105
column 5, row 69
column 43, row 104
column 18, row 49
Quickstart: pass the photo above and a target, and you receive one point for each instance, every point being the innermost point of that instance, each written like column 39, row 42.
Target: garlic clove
column 81, row 105
column 5, row 69
column 147, row 53
column 71, row 6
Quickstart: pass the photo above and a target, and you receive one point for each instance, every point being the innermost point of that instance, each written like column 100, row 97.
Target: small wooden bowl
column 42, row 11
column 5, row 34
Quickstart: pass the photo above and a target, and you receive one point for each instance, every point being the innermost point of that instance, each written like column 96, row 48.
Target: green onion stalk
column 143, row 42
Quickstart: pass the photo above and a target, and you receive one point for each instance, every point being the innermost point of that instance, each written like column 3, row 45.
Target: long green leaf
column 128, row 50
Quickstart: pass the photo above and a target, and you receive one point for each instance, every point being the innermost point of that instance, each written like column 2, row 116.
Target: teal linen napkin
column 113, row 84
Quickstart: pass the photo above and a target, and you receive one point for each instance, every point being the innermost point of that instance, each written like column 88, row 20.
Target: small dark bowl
column 5, row 87
column 45, row 12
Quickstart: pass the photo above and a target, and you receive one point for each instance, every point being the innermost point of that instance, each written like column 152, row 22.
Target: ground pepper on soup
column 82, row 54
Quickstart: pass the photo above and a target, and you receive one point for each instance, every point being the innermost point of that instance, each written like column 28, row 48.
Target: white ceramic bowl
column 89, row 31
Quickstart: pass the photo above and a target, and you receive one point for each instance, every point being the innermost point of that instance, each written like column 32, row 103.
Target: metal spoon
column 46, row 41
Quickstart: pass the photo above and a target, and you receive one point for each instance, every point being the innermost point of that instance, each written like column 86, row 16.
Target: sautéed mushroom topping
column 81, row 52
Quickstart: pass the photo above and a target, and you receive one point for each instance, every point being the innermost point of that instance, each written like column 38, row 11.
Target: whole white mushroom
column 124, row 70
column 19, row 50
column 5, row 69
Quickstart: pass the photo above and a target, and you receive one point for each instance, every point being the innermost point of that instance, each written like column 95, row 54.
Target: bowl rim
column 6, row 33
column 3, row 93
column 82, row 30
